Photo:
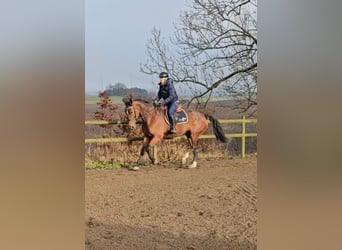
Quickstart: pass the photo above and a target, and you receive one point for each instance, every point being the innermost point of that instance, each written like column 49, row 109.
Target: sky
column 116, row 34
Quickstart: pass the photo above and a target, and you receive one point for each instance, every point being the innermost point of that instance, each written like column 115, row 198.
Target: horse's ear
column 127, row 101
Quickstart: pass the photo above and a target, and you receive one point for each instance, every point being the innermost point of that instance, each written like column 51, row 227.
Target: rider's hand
column 156, row 104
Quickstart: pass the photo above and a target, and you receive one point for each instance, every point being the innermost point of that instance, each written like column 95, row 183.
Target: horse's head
column 130, row 112
column 133, row 112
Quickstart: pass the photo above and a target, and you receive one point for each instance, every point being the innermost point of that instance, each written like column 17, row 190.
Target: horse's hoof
column 135, row 168
column 193, row 165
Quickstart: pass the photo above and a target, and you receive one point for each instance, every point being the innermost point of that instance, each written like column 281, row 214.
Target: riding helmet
column 163, row 74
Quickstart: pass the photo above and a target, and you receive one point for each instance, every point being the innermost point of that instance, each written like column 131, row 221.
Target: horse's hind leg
column 193, row 145
column 194, row 151
column 186, row 155
column 194, row 161
column 195, row 157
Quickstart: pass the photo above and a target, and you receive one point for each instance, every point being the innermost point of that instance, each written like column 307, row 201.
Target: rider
column 168, row 92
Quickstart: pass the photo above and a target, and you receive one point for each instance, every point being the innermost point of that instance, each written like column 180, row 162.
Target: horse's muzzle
column 131, row 127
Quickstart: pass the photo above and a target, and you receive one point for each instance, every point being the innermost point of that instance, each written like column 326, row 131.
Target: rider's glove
column 156, row 103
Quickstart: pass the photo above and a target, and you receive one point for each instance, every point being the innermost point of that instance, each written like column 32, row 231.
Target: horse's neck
column 156, row 116
column 144, row 110
column 150, row 114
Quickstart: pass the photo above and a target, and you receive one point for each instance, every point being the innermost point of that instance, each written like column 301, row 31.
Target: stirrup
column 173, row 131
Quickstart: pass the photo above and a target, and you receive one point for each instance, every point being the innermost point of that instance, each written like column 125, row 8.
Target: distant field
column 94, row 99
column 117, row 99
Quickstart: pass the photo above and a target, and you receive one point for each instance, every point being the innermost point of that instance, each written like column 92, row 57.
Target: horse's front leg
column 156, row 139
column 150, row 155
column 144, row 148
column 142, row 152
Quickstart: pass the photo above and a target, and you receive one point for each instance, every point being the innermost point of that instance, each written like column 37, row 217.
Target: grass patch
column 102, row 166
column 95, row 99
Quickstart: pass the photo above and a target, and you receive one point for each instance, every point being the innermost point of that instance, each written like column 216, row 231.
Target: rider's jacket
column 167, row 92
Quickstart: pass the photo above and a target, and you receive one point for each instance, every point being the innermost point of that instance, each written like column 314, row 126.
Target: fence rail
column 243, row 135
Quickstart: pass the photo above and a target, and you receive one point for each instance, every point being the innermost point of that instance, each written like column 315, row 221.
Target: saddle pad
column 180, row 117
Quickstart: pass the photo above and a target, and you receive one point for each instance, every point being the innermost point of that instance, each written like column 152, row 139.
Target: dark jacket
column 167, row 92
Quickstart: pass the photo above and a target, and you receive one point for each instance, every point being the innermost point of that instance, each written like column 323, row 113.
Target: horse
column 155, row 127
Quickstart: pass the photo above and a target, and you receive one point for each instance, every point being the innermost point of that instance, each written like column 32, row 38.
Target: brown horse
column 155, row 128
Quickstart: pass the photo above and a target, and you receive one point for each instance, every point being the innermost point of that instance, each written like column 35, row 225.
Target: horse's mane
column 145, row 109
column 141, row 103
column 140, row 100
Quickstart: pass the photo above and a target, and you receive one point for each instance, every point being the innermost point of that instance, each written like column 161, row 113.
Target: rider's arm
column 158, row 97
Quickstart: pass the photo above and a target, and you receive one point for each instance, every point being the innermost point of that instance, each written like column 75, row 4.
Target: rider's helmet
column 163, row 74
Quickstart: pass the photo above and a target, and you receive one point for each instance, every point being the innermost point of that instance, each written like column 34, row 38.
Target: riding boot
column 172, row 124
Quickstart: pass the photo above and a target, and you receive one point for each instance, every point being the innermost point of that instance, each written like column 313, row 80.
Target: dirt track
column 165, row 207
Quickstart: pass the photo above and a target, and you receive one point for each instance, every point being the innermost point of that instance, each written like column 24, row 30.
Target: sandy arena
column 167, row 207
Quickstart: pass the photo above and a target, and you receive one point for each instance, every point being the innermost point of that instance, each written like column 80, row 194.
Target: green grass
column 95, row 99
column 103, row 166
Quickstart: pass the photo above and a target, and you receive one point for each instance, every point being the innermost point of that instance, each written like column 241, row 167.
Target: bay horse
column 155, row 127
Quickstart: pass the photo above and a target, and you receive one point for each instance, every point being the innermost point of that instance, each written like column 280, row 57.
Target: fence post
column 243, row 138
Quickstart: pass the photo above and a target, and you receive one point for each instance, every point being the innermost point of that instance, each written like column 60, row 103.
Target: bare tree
column 214, row 48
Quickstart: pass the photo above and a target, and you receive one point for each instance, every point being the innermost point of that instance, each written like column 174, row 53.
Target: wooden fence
column 243, row 135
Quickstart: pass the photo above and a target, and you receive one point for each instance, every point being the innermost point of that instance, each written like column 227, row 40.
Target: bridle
column 131, row 116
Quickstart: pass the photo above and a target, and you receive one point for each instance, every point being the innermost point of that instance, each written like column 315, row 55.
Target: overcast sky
column 116, row 34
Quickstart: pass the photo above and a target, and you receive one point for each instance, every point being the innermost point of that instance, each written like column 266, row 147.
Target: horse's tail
column 218, row 131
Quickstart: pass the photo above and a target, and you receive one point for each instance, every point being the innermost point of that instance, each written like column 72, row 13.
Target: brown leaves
column 106, row 108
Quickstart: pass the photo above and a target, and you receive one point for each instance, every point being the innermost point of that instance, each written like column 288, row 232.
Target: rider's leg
column 171, row 112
